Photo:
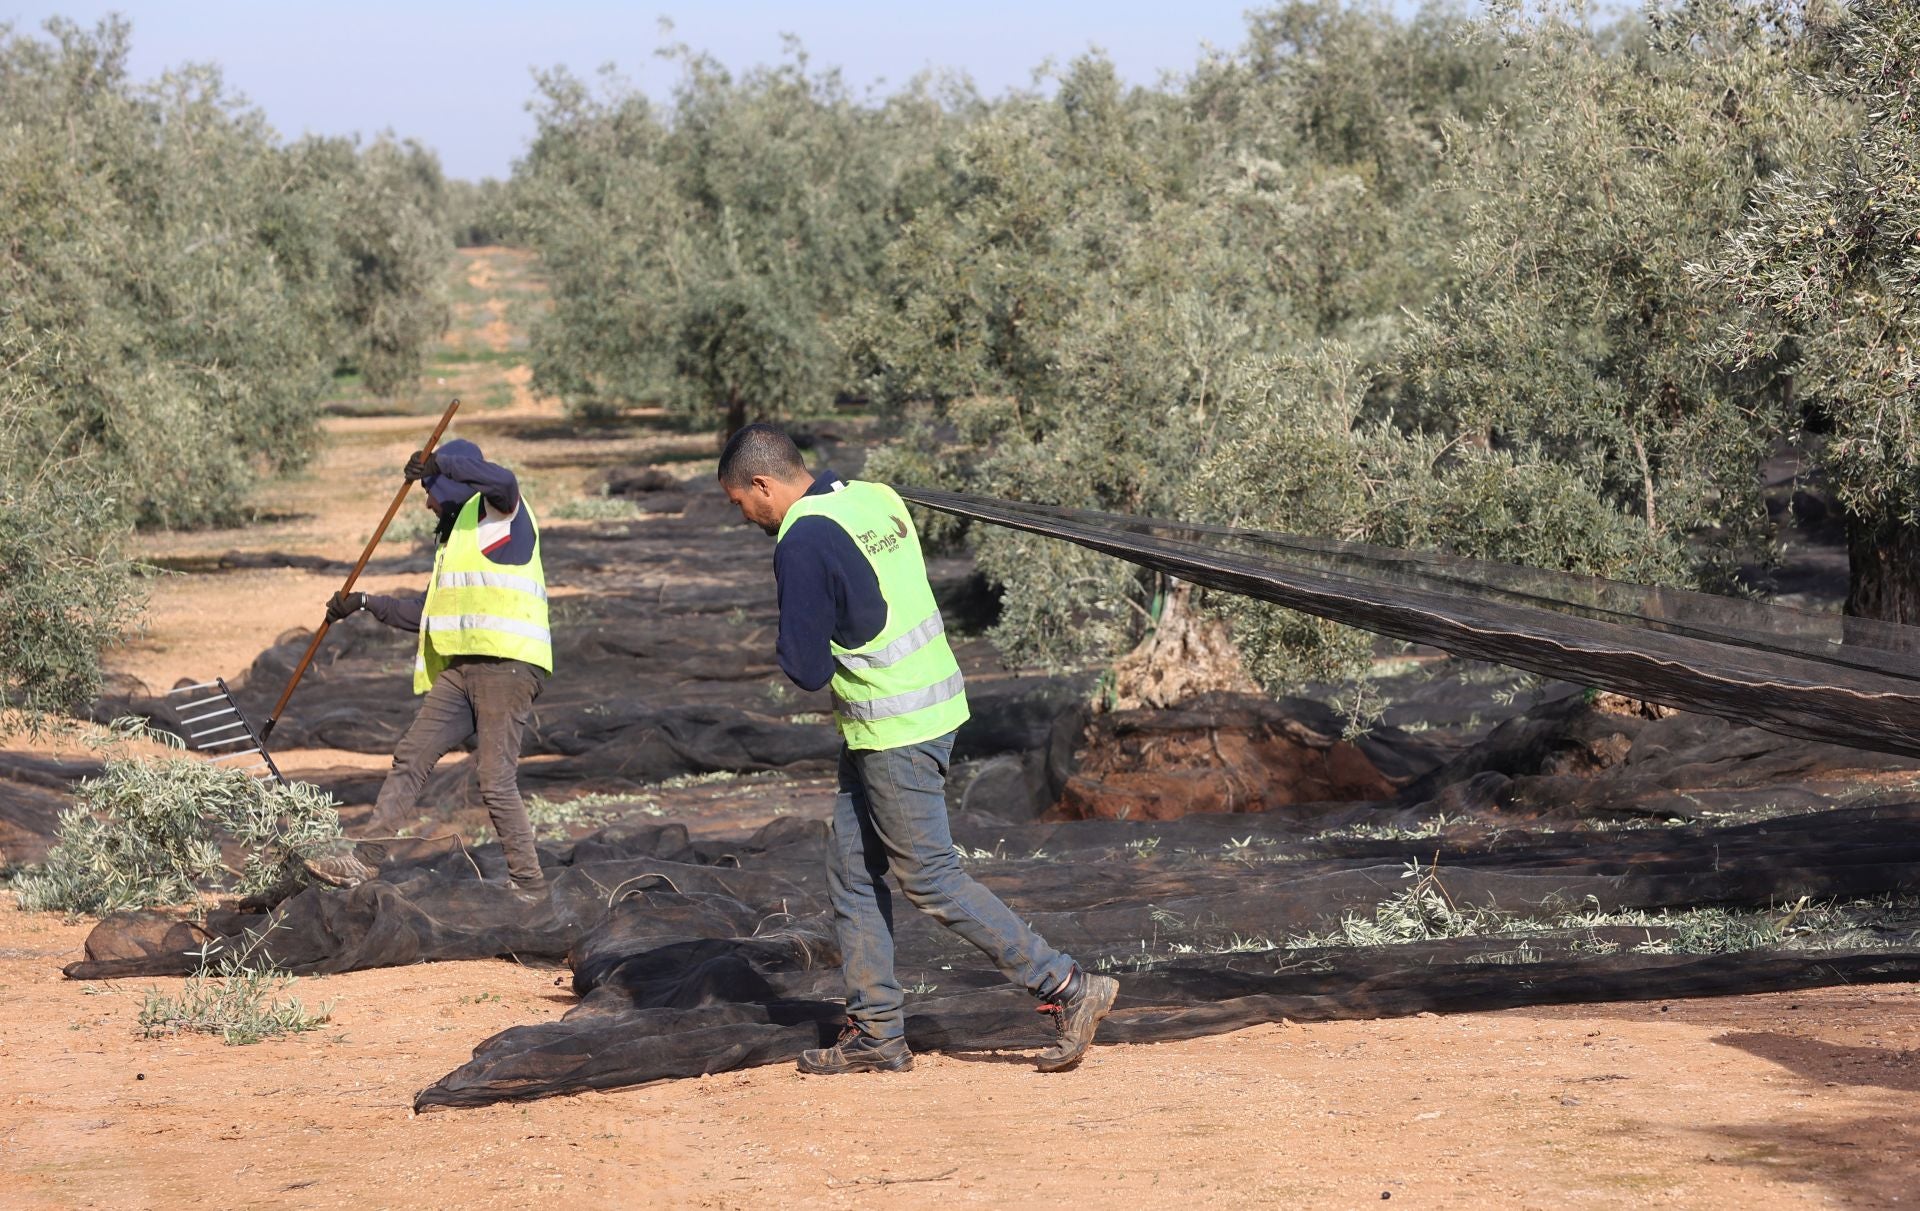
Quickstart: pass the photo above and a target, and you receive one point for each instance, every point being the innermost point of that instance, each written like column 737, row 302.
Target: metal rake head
column 214, row 725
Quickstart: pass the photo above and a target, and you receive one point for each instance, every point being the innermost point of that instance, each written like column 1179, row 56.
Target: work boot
column 857, row 1051
column 1077, row 1007
column 532, row 892
column 340, row 866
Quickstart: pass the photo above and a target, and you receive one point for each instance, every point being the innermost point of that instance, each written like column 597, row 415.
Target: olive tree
column 1079, row 311
column 386, row 215
column 67, row 588
column 1576, row 333
column 1558, row 405
column 177, row 289
column 700, row 251
column 179, row 285
column 1823, row 283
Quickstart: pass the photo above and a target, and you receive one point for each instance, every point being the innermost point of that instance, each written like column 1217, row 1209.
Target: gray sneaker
column 340, row 866
column 1077, row 1009
column 857, row 1051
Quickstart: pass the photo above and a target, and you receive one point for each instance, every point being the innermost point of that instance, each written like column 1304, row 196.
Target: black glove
column 342, row 604
column 421, row 464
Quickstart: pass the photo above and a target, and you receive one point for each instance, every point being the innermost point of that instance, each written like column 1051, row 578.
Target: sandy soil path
column 1795, row 1100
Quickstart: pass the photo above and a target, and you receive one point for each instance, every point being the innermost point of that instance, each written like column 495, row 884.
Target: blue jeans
column 891, row 814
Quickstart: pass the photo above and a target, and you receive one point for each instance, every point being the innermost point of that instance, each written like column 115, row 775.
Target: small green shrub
column 146, row 833
column 235, row 997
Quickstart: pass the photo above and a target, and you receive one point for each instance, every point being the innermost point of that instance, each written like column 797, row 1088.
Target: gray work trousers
column 490, row 699
column 891, row 817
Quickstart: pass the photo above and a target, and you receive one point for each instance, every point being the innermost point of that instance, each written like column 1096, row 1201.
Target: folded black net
column 440, row 900
column 696, row 955
column 1822, row 676
column 1213, row 924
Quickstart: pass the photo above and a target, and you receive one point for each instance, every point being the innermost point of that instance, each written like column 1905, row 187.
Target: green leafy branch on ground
column 593, row 810
column 234, row 996
column 147, row 833
column 1425, row 912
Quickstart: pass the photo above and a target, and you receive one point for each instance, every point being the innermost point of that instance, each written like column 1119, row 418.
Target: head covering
column 449, row 493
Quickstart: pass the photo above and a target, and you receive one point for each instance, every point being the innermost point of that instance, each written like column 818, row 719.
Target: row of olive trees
column 1823, row 273
column 1689, row 245
column 1501, row 283
column 179, row 289
column 1109, row 272
column 700, row 251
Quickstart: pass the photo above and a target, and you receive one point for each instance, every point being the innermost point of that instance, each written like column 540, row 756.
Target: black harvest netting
column 1845, row 680
column 1563, row 856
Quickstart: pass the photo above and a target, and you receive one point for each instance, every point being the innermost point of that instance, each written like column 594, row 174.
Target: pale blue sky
column 455, row 73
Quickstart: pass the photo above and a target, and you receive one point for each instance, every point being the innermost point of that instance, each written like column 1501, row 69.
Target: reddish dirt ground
column 1791, row 1100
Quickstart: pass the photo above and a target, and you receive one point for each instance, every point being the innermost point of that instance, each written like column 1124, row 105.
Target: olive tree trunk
column 736, row 412
column 1883, row 570
column 1186, row 654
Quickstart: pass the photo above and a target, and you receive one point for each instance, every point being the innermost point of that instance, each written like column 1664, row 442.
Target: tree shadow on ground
column 1868, row 1160
column 1816, row 1060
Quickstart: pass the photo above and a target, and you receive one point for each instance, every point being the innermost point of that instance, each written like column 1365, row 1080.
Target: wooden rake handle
column 379, row 532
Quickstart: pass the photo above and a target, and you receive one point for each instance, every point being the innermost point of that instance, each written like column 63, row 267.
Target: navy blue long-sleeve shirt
column 828, row 594
column 461, row 472
column 508, row 535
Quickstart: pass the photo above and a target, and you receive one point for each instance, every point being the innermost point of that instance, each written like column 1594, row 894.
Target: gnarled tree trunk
column 1883, row 570
column 1186, row 654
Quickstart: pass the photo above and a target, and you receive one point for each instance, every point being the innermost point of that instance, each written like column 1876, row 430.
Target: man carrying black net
column 856, row 611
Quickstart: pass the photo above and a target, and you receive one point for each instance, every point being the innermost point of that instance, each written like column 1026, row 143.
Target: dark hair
column 760, row 450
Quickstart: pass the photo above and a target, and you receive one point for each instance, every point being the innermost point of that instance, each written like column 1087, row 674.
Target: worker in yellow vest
column 857, row 613
column 483, row 651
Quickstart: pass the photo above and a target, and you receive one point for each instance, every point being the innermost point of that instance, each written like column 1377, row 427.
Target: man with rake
column 484, row 649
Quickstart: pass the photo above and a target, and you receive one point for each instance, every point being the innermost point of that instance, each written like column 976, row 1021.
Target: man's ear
column 763, row 484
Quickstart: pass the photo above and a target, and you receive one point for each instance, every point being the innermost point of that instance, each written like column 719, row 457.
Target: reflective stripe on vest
column 898, row 650
column 905, row 686
column 486, row 622
column 896, row 705
column 491, row 580
column 476, row 607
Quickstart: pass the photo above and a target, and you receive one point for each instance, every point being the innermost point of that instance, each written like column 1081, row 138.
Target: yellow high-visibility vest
column 904, row 686
column 476, row 607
